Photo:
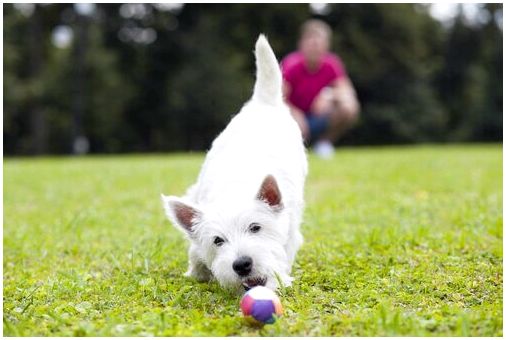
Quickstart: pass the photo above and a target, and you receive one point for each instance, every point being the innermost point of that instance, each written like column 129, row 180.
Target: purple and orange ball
column 262, row 305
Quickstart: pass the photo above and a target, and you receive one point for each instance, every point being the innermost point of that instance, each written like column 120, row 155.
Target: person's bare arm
column 297, row 114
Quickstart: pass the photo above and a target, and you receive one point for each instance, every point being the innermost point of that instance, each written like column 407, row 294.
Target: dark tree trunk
column 79, row 100
column 37, row 117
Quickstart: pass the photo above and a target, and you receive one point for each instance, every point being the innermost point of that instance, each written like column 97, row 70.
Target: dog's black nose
column 243, row 265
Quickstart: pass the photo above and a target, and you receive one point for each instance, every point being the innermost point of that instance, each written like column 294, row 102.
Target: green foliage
column 471, row 86
column 52, row 87
column 391, row 55
column 398, row 241
column 417, row 80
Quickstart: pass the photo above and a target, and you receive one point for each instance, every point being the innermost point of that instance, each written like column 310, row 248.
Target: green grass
column 398, row 241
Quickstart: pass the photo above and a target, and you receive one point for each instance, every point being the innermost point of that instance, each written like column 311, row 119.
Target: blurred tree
column 203, row 99
column 470, row 82
column 391, row 55
column 158, row 77
column 145, row 39
column 101, row 98
column 24, row 65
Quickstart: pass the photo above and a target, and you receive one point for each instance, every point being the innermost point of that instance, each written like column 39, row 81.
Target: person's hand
column 324, row 103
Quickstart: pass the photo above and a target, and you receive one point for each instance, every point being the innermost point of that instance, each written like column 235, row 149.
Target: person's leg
column 341, row 114
column 317, row 126
column 341, row 119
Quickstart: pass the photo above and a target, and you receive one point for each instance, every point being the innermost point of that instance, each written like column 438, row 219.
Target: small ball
column 261, row 304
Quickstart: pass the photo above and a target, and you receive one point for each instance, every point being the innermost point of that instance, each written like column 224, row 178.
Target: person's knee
column 344, row 116
column 350, row 115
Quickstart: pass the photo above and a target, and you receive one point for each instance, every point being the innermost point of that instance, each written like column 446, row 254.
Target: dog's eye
column 254, row 228
column 218, row 241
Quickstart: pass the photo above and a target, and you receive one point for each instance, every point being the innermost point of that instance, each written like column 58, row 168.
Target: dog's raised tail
column 268, row 83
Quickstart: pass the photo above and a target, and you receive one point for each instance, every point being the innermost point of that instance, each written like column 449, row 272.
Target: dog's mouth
column 253, row 281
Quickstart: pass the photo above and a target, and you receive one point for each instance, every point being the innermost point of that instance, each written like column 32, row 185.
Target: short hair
column 316, row 26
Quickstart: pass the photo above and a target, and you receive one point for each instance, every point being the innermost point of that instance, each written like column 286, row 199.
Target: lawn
column 398, row 241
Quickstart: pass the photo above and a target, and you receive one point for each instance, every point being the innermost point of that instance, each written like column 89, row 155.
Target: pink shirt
column 306, row 85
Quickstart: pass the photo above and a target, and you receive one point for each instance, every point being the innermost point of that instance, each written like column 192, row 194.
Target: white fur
column 262, row 139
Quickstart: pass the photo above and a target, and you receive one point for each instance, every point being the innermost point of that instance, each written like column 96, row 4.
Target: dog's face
column 242, row 243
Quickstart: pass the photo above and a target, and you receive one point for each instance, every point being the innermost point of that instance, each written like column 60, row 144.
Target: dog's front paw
column 286, row 281
column 200, row 272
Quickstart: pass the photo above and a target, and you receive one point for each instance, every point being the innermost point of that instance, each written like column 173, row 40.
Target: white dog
column 242, row 216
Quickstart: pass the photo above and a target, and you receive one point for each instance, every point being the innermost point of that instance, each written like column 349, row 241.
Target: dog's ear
column 270, row 194
column 180, row 213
